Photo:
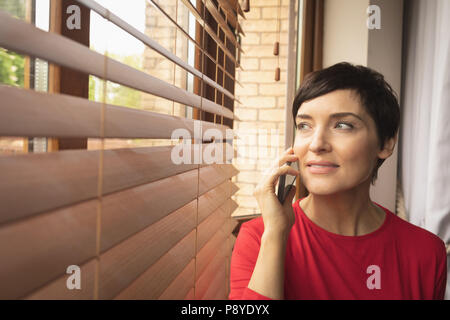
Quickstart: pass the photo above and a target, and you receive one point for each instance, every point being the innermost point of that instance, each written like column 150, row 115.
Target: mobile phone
column 281, row 192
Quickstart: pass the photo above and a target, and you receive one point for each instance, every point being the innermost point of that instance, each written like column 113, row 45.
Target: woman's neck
column 349, row 213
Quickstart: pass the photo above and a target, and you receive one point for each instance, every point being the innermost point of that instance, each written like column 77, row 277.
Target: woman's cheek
column 300, row 150
column 358, row 154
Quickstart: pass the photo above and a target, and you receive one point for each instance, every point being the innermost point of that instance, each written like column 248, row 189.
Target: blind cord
column 100, row 175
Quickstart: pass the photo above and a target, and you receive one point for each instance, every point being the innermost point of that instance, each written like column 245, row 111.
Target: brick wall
column 162, row 30
column 262, row 112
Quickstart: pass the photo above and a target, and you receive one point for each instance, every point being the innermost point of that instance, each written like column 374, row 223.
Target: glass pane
column 108, row 39
column 12, row 68
column 16, row 8
column 23, row 71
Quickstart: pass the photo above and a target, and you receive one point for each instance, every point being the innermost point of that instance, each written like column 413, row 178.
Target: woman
column 336, row 243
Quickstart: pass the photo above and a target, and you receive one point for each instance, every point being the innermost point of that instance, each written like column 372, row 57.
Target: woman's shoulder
column 411, row 230
column 249, row 235
column 415, row 237
column 254, row 226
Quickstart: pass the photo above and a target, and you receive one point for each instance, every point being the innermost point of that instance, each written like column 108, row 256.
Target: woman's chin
column 322, row 192
column 323, row 188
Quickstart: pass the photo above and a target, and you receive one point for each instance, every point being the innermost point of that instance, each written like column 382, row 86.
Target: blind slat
column 231, row 15
column 147, row 234
column 23, row 37
column 233, row 206
column 181, row 285
column 151, row 284
column 236, row 4
column 214, row 175
column 216, row 285
column 57, row 289
column 221, row 21
column 209, row 30
column 31, row 184
column 205, row 52
column 214, row 198
column 214, row 270
column 148, row 203
column 105, row 13
column 51, row 258
column 122, row 264
column 126, row 212
column 190, row 295
column 211, row 225
column 226, row 29
column 117, row 223
column 221, row 293
column 208, row 251
column 36, row 114
column 33, row 241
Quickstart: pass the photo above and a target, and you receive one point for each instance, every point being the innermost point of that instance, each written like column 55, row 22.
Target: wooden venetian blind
column 136, row 224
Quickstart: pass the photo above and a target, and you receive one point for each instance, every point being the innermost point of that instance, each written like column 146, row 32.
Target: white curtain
column 425, row 129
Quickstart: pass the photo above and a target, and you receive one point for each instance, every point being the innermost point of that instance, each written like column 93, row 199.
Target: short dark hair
column 375, row 94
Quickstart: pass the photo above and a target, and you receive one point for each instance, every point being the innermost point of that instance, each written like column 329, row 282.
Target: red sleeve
column 441, row 281
column 243, row 260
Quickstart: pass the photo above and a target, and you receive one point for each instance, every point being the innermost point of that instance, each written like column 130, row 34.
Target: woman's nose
column 319, row 142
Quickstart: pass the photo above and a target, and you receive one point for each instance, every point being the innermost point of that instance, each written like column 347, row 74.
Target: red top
column 397, row 261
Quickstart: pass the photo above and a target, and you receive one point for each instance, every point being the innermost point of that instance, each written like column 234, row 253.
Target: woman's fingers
column 288, row 155
column 286, row 158
column 275, row 214
column 276, row 169
column 277, row 172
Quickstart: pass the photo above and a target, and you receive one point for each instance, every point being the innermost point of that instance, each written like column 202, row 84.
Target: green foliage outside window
column 117, row 94
column 11, row 68
column 12, row 64
column 14, row 7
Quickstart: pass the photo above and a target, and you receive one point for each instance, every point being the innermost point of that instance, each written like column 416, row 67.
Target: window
column 110, row 191
column 24, row 71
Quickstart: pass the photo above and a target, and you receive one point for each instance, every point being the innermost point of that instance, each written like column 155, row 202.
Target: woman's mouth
column 321, row 169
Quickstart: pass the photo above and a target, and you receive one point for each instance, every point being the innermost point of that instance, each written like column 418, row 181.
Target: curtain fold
column 425, row 133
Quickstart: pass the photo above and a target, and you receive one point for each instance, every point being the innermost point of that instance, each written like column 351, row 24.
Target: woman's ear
column 388, row 148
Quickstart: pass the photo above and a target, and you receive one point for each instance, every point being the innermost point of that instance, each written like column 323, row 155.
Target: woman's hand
column 276, row 216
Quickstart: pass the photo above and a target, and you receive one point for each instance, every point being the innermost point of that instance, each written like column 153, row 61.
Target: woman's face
column 336, row 143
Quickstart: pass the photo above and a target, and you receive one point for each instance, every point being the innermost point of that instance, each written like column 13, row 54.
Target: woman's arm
column 268, row 275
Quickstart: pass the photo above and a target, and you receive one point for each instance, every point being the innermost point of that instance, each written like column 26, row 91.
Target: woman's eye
column 302, row 126
column 339, row 125
column 344, row 125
